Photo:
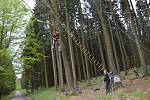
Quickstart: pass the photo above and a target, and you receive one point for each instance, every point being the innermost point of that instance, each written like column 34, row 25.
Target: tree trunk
column 54, row 66
column 92, row 66
column 86, row 62
column 121, row 47
column 107, row 38
column 124, row 53
column 134, row 27
column 55, row 10
column 84, row 68
column 119, row 40
column 60, row 70
column 70, row 45
column 101, row 51
column 45, row 68
column 78, row 64
column 114, row 48
column 132, row 43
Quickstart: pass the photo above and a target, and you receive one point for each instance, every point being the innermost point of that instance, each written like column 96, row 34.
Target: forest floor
column 133, row 89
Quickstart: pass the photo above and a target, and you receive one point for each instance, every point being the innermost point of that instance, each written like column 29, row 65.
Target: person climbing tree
column 55, row 38
column 107, row 81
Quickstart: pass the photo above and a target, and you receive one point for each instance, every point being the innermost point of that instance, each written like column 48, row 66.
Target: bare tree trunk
column 124, row 53
column 119, row 41
column 71, row 46
column 45, row 68
column 86, row 63
column 121, row 47
column 60, row 70
column 55, row 10
column 101, row 51
column 84, row 68
column 114, row 48
column 135, row 56
column 78, row 64
column 91, row 64
column 87, row 68
column 54, row 69
column 134, row 23
column 41, row 75
column 107, row 37
column 54, row 66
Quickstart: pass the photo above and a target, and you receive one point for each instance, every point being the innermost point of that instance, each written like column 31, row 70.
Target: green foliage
column 138, row 94
column 47, row 94
column 31, row 51
column 12, row 20
column 31, row 56
column 7, row 74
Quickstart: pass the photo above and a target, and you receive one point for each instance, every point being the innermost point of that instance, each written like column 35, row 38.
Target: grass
column 51, row 94
column 92, row 81
column 46, row 94
column 18, row 87
column 125, row 96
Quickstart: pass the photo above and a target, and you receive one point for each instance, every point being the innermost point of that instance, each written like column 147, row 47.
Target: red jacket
column 55, row 35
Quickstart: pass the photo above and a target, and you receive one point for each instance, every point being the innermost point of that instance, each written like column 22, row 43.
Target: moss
column 72, row 94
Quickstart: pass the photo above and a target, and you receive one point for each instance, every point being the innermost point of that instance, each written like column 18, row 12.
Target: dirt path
column 20, row 96
column 138, row 85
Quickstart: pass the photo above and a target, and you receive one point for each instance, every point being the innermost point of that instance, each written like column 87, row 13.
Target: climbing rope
column 86, row 51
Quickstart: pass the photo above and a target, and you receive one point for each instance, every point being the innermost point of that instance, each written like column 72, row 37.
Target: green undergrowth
column 18, row 87
column 46, row 94
column 125, row 96
column 93, row 81
column 52, row 94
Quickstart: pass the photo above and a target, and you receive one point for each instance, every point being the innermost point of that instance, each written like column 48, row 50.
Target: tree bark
column 70, row 45
column 45, row 68
column 54, row 66
column 114, row 48
column 107, row 38
column 55, row 10
column 101, row 51
column 78, row 64
column 134, row 23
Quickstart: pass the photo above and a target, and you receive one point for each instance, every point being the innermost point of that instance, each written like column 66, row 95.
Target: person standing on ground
column 107, row 81
column 136, row 72
column 148, row 67
column 111, row 77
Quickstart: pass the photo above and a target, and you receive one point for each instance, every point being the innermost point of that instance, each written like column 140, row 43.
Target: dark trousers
column 107, row 87
column 137, row 74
